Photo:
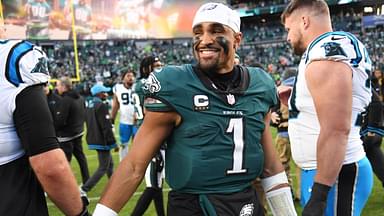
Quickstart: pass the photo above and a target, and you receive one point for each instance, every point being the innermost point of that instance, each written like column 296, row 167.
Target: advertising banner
column 98, row 19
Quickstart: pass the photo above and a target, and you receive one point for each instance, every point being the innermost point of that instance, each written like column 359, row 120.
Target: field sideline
column 375, row 206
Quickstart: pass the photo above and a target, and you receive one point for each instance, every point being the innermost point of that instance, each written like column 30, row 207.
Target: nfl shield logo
column 231, row 99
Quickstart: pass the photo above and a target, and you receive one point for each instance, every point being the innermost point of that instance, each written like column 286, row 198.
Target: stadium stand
column 263, row 44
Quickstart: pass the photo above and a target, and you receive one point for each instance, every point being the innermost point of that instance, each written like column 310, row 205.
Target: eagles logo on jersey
column 152, row 84
column 333, row 48
column 247, row 210
column 209, row 7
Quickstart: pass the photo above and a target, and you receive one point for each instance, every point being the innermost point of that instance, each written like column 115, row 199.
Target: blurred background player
column 377, row 80
column 38, row 12
column 122, row 100
column 100, row 135
column 372, row 132
column 154, row 173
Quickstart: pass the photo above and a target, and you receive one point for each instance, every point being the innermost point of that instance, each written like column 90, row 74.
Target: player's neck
column 127, row 85
column 317, row 32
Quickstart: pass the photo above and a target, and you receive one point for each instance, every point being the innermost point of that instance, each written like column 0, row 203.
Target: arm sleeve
column 33, row 121
column 105, row 124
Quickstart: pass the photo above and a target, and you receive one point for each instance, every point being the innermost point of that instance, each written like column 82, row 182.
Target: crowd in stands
column 263, row 44
column 104, row 59
column 263, row 30
column 374, row 41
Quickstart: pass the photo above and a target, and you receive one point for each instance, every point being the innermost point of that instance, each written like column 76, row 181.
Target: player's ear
column 238, row 37
column 305, row 21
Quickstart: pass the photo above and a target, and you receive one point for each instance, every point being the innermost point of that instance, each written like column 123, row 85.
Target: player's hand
column 275, row 118
column 284, row 93
column 318, row 202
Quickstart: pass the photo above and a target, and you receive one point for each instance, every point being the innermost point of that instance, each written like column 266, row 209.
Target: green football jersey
column 138, row 101
column 216, row 148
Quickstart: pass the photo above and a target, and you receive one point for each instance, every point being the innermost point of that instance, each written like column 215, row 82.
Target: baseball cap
column 219, row 13
column 98, row 88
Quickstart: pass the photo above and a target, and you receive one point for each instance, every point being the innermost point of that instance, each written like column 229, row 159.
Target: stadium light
column 368, row 9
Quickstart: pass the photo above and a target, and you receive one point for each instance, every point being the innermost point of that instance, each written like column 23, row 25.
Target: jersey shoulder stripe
column 12, row 70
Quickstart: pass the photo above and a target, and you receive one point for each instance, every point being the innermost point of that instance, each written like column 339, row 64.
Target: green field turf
column 375, row 206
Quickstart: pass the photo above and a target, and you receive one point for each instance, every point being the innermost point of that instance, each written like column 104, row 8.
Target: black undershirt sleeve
column 33, row 121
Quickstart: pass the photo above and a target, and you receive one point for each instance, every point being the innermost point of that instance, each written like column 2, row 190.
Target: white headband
column 219, row 13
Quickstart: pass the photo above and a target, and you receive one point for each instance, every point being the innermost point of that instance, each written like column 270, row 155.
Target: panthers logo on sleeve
column 41, row 66
column 333, row 48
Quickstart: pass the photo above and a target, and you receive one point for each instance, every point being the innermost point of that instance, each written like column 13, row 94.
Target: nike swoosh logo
column 336, row 38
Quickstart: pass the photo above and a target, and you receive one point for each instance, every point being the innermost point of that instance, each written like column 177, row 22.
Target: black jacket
column 99, row 126
column 53, row 101
column 373, row 121
column 70, row 115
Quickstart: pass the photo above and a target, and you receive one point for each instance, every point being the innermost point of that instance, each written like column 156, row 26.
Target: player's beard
column 298, row 47
column 298, row 50
column 209, row 67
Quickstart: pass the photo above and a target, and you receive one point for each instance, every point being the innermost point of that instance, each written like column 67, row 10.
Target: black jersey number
column 125, row 98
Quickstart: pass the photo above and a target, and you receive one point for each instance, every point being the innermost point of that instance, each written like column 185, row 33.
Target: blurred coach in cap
column 100, row 136
column 214, row 117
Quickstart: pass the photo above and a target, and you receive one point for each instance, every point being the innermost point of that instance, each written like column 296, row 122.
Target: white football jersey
column 124, row 97
column 304, row 127
column 22, row 64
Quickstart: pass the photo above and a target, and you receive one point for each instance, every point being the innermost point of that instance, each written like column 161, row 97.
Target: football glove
column 318, row 202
